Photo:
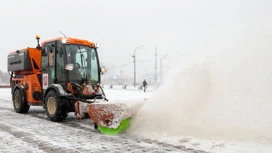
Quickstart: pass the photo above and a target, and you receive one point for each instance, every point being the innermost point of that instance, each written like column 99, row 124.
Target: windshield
column 85, row 63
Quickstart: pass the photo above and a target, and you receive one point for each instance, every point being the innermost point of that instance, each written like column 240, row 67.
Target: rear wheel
column 54, row 107
column 19, row 102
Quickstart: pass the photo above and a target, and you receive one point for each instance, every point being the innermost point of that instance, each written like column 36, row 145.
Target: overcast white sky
column 176, row 27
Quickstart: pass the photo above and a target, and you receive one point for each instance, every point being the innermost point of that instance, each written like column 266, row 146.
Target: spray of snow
column 224, row 93
column 114, row 112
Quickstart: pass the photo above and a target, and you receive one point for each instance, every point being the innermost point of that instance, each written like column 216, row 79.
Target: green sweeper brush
column 113, row 131
column 112, row 118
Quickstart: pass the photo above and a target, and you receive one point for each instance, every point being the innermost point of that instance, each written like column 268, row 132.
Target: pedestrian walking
column 144, row 85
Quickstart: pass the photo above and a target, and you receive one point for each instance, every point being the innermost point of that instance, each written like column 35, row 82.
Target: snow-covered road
column 33, row 132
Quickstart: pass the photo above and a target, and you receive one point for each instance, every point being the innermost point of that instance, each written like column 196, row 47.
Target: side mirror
column 97, row 45
column 44, row 53
column 46, row 49
column 69, row 67
column 103, row 69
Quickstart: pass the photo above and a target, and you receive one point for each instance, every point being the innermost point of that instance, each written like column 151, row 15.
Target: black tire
column 19, row 102
column 54, row 107
column 65, row 111
column 64, row 114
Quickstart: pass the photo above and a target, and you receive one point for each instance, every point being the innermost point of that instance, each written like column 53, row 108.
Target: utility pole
column 134, row 60
column 161, row 65
column 121, row 75
column 161, row 70
column 155, row 65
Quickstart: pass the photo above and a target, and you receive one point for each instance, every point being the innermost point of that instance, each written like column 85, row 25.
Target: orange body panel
column 72, row 41
column 35, row 55
column 31, row 85
column 30, row 79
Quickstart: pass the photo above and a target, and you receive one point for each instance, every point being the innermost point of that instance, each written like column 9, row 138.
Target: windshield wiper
column 84, row 78
column 85, row 68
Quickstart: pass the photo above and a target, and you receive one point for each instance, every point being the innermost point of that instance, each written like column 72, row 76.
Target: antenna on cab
column 62, row 34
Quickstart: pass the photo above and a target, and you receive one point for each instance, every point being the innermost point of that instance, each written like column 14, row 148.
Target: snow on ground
column 159, row 126
column 5, row 94
column 123, row 94
column 33, row 132
column 219, row 101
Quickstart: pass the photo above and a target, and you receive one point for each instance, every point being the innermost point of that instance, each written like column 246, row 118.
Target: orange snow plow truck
column 63, row 75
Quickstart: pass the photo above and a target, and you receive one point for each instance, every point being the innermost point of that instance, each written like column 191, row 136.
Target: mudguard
column 58, row 88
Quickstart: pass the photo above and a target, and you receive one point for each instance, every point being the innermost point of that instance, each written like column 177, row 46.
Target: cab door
column 48, row 65
column 61, row 72
column 53, row 65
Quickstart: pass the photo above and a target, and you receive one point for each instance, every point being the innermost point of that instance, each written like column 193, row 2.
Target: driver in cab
column 75, row 73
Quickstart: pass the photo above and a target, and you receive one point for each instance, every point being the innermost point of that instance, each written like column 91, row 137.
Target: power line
column 120, row 65
column 166, row 58
column 129, row 63
column 180, row 55
column 145, row 60
column 148, row 60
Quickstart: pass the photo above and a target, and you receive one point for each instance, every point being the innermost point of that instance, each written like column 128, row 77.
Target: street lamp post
column 161, row 65
column 134, row 60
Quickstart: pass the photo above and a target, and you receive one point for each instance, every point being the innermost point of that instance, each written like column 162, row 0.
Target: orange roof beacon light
column 38, row 37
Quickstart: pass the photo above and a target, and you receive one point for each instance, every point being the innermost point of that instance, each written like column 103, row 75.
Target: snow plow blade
column 113, row 117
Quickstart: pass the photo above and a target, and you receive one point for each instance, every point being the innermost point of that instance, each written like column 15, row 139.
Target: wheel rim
column 51, row 105
column 17, row 101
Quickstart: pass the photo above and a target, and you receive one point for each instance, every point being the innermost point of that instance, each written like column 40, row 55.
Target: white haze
column 224, row 93
column 175, row 27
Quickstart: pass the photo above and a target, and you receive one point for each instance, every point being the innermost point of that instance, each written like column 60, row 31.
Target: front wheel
column 54, row 107
column 19, row 102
